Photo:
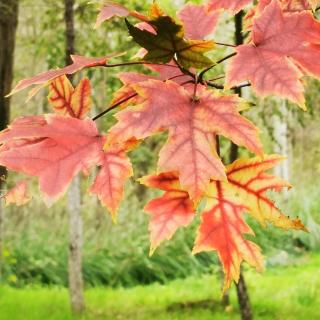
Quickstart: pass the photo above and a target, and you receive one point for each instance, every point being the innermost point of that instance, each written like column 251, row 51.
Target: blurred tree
column 8, row 26
column 74, row 196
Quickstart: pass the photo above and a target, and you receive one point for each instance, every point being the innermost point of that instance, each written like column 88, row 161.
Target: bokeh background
column 121, row 280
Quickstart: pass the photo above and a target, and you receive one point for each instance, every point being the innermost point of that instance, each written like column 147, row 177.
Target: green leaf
column 169, row 42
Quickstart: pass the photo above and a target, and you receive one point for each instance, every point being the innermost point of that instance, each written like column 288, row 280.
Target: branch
column 137, row 63
column 114, row 106
column 202, row 73
column 225, row 44
column 221, row 87
column 184, row 70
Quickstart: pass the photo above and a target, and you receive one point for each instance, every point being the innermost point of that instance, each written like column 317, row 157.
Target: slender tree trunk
column 75, row 248
column 74, row 197
column 8, row 27
column 242, row 292
column 70, row 33
column 283, row 146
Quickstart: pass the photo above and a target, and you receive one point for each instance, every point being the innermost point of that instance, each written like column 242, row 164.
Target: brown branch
column 137, row 63
column 114, row 106
column 202, row 73
column 221, row 87
column 184, row 70
column 225, row 44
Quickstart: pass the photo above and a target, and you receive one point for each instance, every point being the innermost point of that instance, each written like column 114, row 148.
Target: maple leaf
column 169, row 212
column 115, row 169
column 222, row 229
column 223, row 226
column 169, row 42
column 232, row 5
column 287, row 6
column 190, row 149
column 269, row 69
column 66, row 100
column 18, row 195
column 248, row 180
column 53, row 148
column 112, row 9
column 198, row 22
column 79, row 63
column 128, row 94
column 290, row 5
column 170, row 71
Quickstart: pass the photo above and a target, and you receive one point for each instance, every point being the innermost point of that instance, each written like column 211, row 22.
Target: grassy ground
column 284, row 293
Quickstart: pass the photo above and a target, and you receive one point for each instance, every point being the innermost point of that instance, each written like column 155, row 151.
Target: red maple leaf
column 52, row 147
column 232, row 5
column 169, row 212
column 198, row 21
column 267, row 65
column 112, row 9
column 190, row 149
column 79, row 63
column 115, row 169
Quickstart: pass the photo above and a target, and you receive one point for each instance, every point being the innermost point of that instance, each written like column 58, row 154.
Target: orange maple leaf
column 223, row 226
column 248, row 180
column 66, row 100
column 222, row 229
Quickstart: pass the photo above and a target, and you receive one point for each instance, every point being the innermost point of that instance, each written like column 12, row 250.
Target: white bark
column 75, row 247
column 282, row 145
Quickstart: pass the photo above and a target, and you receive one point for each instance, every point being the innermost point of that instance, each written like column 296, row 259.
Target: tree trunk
column 74, row 197
column 243, row 299
column 70, row 33
column 75, row 248
column 283, row 146
column 8, row 27
column 243, row 296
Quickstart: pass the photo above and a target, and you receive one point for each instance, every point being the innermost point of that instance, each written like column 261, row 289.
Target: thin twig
column 138, row 63
column 182, row 69
column 225, row 44
column 221, row 87
column 114, row 106
column 217, row 78
column 202, row 73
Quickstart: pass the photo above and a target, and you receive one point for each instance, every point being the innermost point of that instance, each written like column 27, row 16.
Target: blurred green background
column 121, row 280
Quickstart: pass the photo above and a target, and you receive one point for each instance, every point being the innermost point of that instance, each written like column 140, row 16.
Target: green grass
column 283, row 293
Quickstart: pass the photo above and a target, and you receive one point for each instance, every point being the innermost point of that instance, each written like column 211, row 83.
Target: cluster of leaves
column 180, row 101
